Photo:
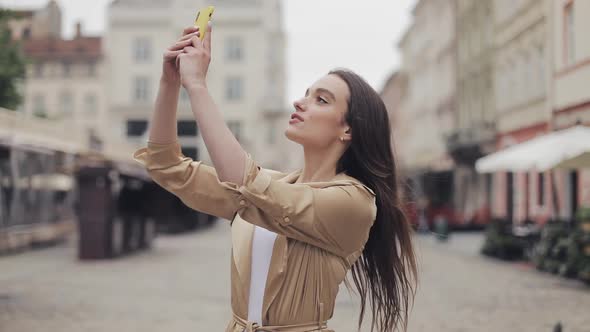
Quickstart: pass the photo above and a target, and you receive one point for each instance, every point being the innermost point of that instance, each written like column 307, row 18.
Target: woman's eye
column 322, row 100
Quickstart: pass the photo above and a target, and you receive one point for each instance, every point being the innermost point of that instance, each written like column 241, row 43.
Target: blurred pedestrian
column 294, row 235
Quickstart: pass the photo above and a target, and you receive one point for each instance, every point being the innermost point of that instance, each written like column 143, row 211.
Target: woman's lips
column 296, row 117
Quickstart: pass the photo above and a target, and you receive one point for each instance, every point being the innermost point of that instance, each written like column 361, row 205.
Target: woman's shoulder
column 341, row 179
column 276, row 174
column 345, row 178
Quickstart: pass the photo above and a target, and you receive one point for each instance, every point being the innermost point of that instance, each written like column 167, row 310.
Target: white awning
column 568, row 148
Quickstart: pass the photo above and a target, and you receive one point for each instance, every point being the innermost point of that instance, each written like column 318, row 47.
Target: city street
column 183, row 285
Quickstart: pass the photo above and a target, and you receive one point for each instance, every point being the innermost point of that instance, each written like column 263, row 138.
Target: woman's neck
column 319, row 165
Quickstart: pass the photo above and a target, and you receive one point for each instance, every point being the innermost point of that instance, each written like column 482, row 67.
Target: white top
column 262, row 245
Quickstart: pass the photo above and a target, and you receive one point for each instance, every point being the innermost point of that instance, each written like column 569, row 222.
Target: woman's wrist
column 170, row 82
column 195, row 87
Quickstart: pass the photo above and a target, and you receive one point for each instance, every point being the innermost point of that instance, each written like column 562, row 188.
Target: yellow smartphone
column 203, row 17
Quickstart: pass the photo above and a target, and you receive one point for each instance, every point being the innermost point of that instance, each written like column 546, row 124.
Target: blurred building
column 523, row 110
column 522, row 70
column 472, row 135
column 393, row 94
column 541, row 74
column 246, row 76
column 64, row 77
column 425, row 105
column 39, row 23
column 570, row 97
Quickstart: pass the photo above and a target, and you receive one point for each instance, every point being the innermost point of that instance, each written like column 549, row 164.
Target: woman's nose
column 298, row 105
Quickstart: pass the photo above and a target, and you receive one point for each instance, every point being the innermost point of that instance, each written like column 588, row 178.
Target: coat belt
column 254, row 327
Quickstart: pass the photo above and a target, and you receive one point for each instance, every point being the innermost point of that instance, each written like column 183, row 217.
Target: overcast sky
column 360, row 35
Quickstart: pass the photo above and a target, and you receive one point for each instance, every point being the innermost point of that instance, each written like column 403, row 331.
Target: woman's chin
column 291, row 134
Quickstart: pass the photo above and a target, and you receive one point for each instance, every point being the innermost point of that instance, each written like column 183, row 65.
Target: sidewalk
column 183, row 285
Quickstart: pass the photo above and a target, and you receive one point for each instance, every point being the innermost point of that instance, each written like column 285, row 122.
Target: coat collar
column 339, row 180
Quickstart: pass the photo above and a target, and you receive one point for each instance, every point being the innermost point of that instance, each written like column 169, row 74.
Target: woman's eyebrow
column 323, row 90
column 326, row 91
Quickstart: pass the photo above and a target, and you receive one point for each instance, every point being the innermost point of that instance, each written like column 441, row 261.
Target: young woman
column 294, row 236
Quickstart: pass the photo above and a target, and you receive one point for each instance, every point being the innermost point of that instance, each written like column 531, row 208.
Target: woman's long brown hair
column 386, row 274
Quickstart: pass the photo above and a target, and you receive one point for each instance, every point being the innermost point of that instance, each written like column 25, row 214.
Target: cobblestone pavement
column 183, row 285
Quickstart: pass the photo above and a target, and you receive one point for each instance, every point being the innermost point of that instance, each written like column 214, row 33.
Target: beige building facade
column 570, row 93
column 246, row 76
column 522, row 79
column 571, row 62
column 393, row 94
column 473, row 133
column 520, row 64
column 39, row 23
column 421, row 100
column 541, row 73
column 428, row 62
column 64, row 79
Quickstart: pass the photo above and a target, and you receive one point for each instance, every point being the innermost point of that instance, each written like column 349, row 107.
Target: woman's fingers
column 178, row 60
column 189, row 50
column 189, row 36
column 171, row 54
column 196, row 42
column 188, row 43
column 189, row 29
column 207, row 40
column 180, row 45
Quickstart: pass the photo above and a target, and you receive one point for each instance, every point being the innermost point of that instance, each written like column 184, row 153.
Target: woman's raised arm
column 227, row 155
column 163, row 122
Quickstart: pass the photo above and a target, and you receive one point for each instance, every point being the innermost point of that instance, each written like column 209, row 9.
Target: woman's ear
column 347, row 134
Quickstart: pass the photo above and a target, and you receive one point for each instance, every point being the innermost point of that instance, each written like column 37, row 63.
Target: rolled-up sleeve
column 336, row 218
column 195, row 183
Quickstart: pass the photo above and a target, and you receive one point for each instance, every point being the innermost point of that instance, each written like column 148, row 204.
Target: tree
column 12, row 65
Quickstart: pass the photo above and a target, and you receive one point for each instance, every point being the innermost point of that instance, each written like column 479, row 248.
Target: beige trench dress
column 322, row 228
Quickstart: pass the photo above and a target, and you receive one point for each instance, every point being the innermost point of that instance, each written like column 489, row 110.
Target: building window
column 90, row 103
column 233, row 88
column 26, row 33
column 142, row 49
column 541, row 70
column 66, row 102
column 187, row 128
column 234, row 48
column 141, row 89
column 39, row 106
column 541, row 189
column 568, row 33
column 234, row 127
column 136, row 128
column 190, row 152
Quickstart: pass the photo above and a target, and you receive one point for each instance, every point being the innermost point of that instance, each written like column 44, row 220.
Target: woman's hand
column 194, row 61
column 170, row 72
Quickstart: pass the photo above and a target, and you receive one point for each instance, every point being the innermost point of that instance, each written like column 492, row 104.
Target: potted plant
column 583, row 264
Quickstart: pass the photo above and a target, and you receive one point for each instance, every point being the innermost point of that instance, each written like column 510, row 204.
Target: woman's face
column 322, row 111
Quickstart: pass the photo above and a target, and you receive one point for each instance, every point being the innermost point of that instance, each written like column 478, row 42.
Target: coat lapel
column 242, row 233
column 276, row 274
